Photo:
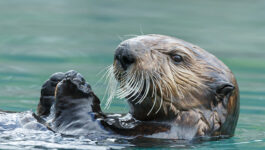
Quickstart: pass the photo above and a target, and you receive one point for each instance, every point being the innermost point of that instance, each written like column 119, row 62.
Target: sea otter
column 174, row 88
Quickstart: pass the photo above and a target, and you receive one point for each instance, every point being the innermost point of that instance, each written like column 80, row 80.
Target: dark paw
column 47, row 94
column 75, row 91
column 76, row 105
column 74, row 85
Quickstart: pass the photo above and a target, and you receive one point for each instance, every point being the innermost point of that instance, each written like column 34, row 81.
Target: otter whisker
column 134, row 83
column 147, row 84
column 161, row 84
column 108, row 72
column 125, row 91
column 139, row 87
column 121, row 39
column 108, row 75
column 161, row 97
column 129, row 88
column 106, row 69
column 122, row 86
column 126, row 88
column 154, row 92
column 130, row 35
column 111, row 88
column 153, row 85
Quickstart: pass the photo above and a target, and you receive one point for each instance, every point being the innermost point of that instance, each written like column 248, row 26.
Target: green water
column 40, row 37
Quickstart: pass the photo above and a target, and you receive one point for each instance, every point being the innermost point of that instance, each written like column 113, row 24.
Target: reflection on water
column 38, row 38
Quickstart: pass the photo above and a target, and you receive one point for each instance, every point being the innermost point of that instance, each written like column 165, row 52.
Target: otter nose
column 124, row 56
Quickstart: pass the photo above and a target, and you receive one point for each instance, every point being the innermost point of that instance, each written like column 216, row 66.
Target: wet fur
column 200, row 95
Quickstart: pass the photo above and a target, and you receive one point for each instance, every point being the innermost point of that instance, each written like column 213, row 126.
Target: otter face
column 161, row 75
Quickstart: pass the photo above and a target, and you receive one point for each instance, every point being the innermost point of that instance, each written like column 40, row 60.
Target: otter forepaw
column 47, row 94
column 73, row 84
column 76, row 105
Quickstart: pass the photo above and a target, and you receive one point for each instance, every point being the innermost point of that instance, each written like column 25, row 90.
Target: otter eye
column 177, row 58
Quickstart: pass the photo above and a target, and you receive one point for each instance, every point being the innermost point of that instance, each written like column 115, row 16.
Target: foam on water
column 22, row 131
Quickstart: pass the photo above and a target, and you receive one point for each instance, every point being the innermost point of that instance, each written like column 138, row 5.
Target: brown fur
column 186, row 86
column 196, row 97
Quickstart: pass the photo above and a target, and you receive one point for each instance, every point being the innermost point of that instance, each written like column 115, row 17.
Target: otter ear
column 224, row 89
column 223, row 92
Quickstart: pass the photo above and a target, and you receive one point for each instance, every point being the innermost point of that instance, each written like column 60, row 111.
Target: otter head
column 161, row 75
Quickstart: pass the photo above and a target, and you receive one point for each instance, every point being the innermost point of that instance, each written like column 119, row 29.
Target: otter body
column 173, row 88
